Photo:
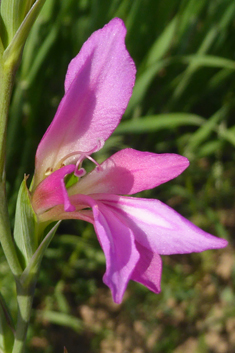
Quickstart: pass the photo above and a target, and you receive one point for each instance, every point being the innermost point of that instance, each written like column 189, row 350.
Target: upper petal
column 98, row 87
column 130, row 171
column 159, row 228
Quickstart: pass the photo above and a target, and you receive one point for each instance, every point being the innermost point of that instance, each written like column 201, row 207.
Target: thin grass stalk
column 6, row 79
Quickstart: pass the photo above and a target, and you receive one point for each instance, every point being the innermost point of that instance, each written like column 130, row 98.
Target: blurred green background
column 183, row 102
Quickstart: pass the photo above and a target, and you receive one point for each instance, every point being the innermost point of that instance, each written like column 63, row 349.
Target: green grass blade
column 155, row 123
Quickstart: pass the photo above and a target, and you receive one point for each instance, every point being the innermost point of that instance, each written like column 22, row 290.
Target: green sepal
column 31, row 271
column 7, row 328
column 25, row 230
column 20, row 34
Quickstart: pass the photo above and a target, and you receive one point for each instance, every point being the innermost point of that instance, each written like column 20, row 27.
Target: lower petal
column 159, row 228
column 118, row 244
column 148, row 270
column 119, row 248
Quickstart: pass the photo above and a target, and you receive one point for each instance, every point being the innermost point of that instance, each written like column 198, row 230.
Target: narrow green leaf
column 135, row 6
column 61, row 319
column 33, row 266
column 13, row 13
column 153, row 64
column 13, row 51
column 154, row 123
column 25, row 225
column 209, row 61
column 209, row 148
column 7, row 313
column 61, row 299
column 219, row 78
column 6, row 327
column 227, row 16
column 37, row 61
column 31, row 63
column 205, row 130
column 193, row 61
column 227, row 134
column 143, row 81
column 188, row 12
column 163, row 43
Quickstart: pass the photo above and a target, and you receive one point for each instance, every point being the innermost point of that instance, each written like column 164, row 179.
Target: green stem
column 24, row 299
column 6, row 80
column 24, row 292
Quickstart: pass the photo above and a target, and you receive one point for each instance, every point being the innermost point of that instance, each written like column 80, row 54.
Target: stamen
column 70, row 158
column 77, row 158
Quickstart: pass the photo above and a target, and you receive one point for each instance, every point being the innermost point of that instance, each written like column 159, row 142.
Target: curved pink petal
column 148, row 270
column 130, row 171
column 118, row 244
column 125, row 258
column 52, row 191
column 98, row 87
column 159, row 228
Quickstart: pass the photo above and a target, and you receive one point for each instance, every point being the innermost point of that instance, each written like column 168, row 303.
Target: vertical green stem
column 24, row 299
column 6, row 80
column 24, row 292
column 20, row 19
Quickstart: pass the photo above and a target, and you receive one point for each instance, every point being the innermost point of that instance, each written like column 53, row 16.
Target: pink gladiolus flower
column 132, row 232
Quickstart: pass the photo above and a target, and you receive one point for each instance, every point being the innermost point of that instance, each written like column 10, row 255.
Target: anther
column 77, row 157
column 49, row 171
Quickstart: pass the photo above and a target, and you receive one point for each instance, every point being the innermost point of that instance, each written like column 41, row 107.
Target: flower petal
column 159, row 228
column 118, row 244
column 52, row 191
column 148, row 270
column 98, row 87
column 130, row 171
